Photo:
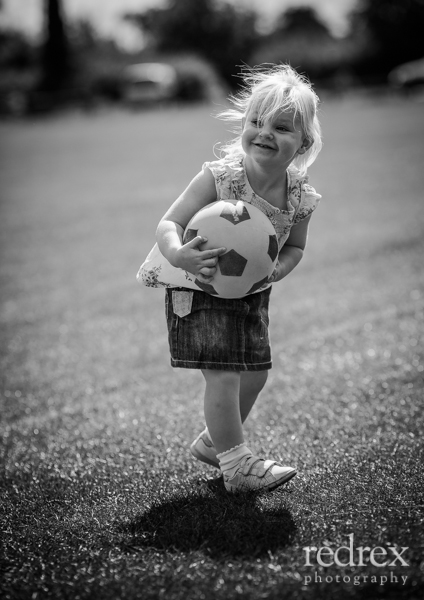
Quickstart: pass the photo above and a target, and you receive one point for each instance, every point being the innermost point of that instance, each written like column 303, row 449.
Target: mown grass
column 100, row 496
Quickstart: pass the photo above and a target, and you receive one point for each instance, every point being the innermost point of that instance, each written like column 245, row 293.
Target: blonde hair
column 270, row 90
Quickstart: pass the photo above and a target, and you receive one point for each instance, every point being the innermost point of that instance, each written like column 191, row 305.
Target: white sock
column 230, row 459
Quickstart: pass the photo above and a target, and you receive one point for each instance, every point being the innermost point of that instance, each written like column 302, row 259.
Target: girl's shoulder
column 229, row 166
column 229, row 174
column 302, row 195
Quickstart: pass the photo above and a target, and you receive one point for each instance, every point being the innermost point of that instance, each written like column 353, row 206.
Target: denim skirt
column 207, row 332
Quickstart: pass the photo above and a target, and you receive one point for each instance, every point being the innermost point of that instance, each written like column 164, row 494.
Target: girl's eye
column 256, row 123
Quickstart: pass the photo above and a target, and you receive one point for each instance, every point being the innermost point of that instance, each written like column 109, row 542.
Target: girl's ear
column 306, row 144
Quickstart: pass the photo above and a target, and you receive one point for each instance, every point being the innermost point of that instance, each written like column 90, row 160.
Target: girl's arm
column 292, row 252
column 169, row 234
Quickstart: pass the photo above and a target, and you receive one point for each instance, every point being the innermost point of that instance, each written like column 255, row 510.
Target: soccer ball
column 251, row 242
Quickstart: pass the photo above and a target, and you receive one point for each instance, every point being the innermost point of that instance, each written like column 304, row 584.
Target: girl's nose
column 266, row 131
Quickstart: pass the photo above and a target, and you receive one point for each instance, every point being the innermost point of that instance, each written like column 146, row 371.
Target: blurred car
column 149, row 82
column 408, row 75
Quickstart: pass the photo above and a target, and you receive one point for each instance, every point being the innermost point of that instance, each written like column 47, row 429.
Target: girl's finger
column 197, row 241
column 213, row 252
column 210, row 262
column 208, row 271
column 204, row 278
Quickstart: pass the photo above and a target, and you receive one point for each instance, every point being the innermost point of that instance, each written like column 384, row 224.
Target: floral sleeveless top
column 231, row 182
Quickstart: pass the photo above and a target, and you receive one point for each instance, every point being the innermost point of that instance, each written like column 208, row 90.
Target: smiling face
column 275, row 142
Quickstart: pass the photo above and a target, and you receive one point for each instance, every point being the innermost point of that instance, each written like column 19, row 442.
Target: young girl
column 228, row 339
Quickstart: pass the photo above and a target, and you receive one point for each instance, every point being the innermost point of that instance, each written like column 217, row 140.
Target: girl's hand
column 276, row 274
column 273, row 277
column 201, row 263
column 288, row 259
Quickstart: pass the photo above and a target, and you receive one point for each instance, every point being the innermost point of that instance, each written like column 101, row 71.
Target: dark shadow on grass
column 214, row 522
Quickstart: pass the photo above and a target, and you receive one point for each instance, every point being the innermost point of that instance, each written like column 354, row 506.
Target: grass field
column 100, row 496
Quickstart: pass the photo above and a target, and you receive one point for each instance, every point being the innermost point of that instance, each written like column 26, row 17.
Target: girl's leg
column 241, row 470
column 251, row 384
column 222, row 408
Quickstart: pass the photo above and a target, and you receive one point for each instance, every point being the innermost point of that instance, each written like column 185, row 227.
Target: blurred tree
column 218, row 31
column 55, row 54
column 303, row 20
column 15, row 50
column 97, row 62
column 303, row 40
column 83, row 36
column 388, row 33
